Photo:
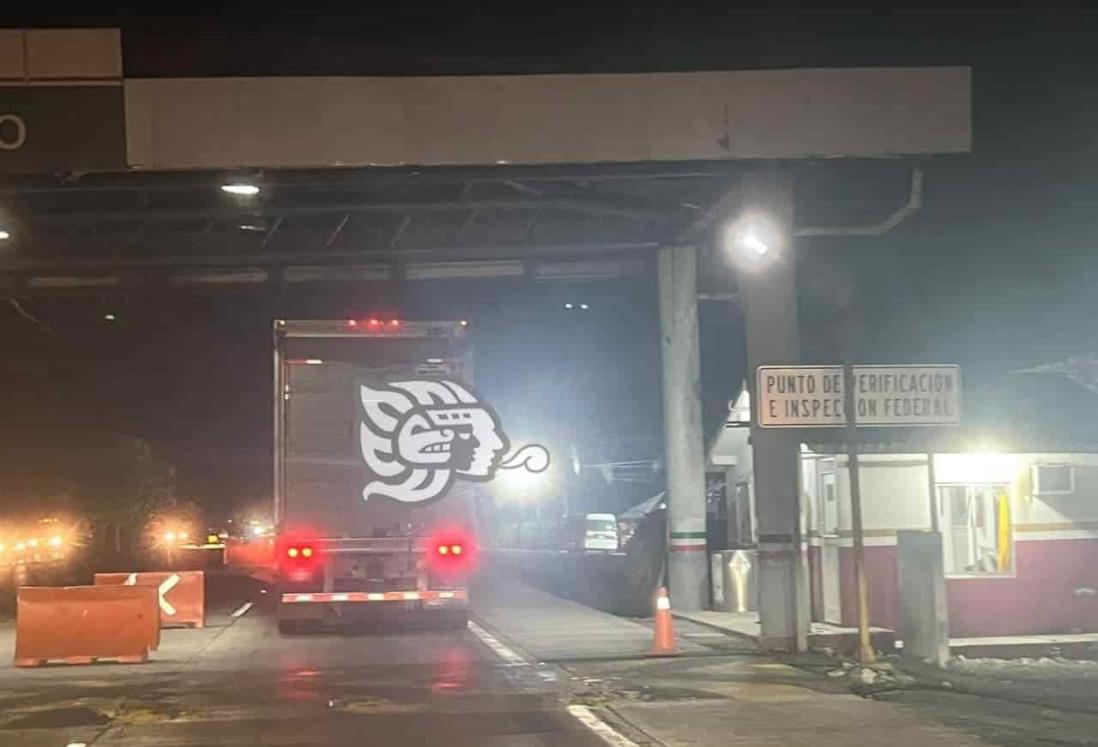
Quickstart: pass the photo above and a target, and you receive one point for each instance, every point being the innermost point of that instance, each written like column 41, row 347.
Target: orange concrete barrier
column 84, row 624
column 181, row 595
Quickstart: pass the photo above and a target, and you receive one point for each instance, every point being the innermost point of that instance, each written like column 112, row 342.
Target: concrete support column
column 924, row 613
column 682, row 427
column 770, row 308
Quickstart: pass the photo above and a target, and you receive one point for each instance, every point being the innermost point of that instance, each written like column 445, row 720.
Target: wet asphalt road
column 238, row 682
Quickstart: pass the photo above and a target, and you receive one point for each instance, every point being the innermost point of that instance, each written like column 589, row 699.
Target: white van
column 591, row 532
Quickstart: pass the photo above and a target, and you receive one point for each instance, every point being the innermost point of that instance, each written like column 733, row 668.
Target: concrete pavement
column 238, row 682
column 532, row 667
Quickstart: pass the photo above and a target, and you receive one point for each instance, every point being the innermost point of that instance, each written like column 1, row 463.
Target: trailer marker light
column 306, row 552
column 240, row 189
column 374, row 322
column 292, row 552
column 443, row 550
column 456, row 549
column 394, row 322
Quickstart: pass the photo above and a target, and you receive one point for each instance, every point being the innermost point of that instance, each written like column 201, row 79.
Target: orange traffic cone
column 663, row 639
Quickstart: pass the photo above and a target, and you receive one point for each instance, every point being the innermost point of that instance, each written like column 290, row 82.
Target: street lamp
column 752, row 241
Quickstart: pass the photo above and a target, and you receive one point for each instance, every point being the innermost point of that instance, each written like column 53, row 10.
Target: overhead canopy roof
column 106, row 181
column 304, row 122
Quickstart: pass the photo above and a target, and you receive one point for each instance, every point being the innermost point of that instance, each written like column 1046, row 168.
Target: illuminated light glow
column 20, row 546
column 446, row 595
column 569, row 306
column 183, row 535
column 306, row 552
column 313, row 361
column 109, row 317
column 2, row 548
column 374, row 322
column 980, row 466
column 4, row 234
column 169, row 536
column 54, row 542
column 352, row 322
column 443, row 550
column 456, row 549
column 394, row 322
column 751, row 241
column 292, row 552
column 240, row 189
column 258, row 531
column 584, row 306
column 521, row 480
column 32, row 543
column 464, row 322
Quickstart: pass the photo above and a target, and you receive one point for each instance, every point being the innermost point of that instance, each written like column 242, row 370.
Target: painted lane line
column 603, row 730
column 510, row 657
column 241, row 610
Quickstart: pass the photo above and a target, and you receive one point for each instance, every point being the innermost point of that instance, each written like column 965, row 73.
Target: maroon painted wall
column 1040, row 598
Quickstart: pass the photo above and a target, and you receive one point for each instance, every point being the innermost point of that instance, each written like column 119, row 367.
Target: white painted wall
column 895, row 492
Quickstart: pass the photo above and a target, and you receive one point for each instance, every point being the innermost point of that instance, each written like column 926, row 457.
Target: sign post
column 851, row 396
column 865, row 644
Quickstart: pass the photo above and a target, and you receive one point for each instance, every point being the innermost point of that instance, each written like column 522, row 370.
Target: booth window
column 978, row 536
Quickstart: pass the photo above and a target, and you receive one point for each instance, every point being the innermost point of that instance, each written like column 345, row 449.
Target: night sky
column 996, row 272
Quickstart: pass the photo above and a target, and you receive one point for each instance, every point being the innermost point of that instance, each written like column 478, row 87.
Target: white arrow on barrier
column 166, row 585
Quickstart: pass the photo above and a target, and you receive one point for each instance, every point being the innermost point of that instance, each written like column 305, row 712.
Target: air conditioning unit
column 1053, row 479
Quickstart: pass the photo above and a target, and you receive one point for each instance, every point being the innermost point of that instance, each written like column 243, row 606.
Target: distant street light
column 109, row 317
column 4, row 234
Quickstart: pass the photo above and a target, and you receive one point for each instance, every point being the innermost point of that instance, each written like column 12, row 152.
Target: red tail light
column 298, row 557
column 451, row 552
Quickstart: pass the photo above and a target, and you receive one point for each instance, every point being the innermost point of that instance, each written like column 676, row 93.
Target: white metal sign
column 812, row 396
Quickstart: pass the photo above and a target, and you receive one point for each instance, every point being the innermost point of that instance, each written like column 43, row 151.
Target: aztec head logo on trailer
column 417, row 437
